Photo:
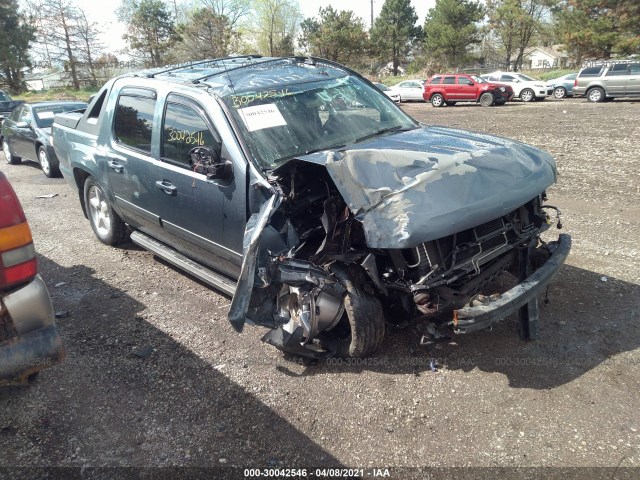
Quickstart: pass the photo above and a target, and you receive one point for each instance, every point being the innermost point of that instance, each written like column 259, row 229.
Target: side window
column 436, row 80
column 183, row 128
column 449, row 81
column 16, row 113
column 133, row 123
column 465, row 81
column 507, row 78
column 635, row 68
column 618, row 69
column 25, row 115
column 494, row 78
column 590, row 72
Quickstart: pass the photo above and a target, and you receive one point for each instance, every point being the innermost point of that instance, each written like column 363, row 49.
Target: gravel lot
column 197, row 394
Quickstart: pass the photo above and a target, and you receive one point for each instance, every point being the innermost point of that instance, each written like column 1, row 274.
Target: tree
column 450, row 29
column 91, row 47
column 151, row 30
column 394, row 31
column 598, row 28
column 234, row 10
column 15, row 37
column 514, row 23
column 337, row 36
column 205, row 34
column 275, row 26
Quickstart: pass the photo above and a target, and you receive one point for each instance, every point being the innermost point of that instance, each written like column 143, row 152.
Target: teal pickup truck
column 324, row 221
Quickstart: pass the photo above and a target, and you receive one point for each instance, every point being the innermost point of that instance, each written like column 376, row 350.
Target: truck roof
column 237, row 74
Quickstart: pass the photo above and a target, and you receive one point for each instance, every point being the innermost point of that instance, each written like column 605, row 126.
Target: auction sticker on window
column 261, row 116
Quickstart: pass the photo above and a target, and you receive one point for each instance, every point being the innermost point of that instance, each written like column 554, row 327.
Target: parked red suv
column 452, row 88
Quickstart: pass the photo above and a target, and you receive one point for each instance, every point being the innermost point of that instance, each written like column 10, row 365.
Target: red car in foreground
column 450, row 89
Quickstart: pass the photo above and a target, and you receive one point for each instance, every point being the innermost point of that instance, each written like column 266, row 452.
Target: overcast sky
column 104, row 13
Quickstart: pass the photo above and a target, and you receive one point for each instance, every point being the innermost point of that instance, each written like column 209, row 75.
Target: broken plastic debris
column 47, row 195
column 59, row 284
column 433, row 365
column 62, row 314
column 604, row 279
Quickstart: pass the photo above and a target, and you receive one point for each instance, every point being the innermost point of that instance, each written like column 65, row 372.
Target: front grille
column 447, row 259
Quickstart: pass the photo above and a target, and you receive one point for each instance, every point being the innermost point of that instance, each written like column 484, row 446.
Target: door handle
column 115, row 166
column 166, row 187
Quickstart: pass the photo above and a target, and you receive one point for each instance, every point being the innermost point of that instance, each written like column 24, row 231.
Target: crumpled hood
column 415, row 186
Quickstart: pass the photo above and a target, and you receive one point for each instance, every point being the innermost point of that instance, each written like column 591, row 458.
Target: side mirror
column 206, row 161
column 22, row 125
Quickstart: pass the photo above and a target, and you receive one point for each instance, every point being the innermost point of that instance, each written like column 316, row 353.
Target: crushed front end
column 352, row 240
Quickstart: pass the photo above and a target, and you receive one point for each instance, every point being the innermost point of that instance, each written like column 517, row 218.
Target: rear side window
column 590, row 72
column 618, row 69
column 183, row 128
column 133, row 124
column 449, row 81
column 435, row 80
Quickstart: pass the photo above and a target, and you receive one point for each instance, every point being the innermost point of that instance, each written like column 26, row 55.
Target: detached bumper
column 470, row 319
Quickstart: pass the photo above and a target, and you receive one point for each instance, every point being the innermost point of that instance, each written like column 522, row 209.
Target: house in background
column 45, row 80
column 545, row 58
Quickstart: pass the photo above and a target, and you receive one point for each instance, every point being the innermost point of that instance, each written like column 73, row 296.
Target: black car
column 27, row 134
column 7, row 105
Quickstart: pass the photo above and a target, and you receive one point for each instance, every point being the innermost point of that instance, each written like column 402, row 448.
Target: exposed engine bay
column 325, row 292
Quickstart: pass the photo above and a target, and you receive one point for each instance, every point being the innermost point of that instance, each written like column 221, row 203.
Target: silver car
column 609, row 80
column 410, row 90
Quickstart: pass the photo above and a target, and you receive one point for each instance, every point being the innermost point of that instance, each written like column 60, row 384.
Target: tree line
column 455, row 33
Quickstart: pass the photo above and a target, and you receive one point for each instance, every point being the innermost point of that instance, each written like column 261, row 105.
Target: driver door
column 204, row 218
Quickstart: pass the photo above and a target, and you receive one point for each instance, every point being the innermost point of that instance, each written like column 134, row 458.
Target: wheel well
column 80, row 177
column 38, row 145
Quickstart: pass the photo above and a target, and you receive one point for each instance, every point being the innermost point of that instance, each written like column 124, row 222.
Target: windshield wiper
column 397, row 128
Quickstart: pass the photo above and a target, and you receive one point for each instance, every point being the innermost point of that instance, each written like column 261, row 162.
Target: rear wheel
column 105, row 222
column 10, row 157
column 527, row 95
column 486, row 99
column 437, row 100
column 595, row 95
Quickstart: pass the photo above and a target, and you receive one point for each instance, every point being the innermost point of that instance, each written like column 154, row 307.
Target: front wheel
column 10, row 157
column 486, row 99
column 527, row 95
column 560, row 92
column 105, row 222
column 437, row 100
column 49, row 168
column 362, row 328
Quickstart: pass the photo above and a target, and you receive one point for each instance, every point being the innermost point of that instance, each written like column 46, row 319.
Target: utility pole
column 371, row 15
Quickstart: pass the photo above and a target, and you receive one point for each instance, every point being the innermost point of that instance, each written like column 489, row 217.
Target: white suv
column 524, row 87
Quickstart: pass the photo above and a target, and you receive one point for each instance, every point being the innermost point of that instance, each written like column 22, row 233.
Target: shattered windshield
column 281, row 123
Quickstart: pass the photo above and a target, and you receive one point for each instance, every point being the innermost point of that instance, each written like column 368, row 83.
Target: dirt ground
column 155, row 375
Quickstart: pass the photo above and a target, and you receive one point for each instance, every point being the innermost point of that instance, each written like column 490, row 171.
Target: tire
column 437, row 100
column 105, row 222
column 450, row 104
column 527, row 95
column 560, row 92
column 486, row 99
column 10, row 157
column 595, row 95
column 49, row 167
column 363, row 322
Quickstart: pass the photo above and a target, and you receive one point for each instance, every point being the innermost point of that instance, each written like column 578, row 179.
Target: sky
column 103, row 12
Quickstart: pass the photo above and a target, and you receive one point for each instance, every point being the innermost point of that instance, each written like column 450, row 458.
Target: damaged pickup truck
column 326, row 221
